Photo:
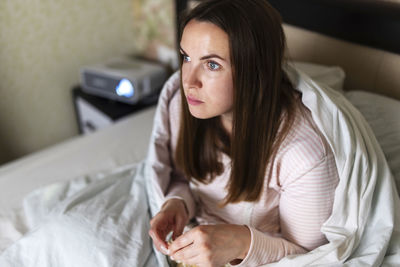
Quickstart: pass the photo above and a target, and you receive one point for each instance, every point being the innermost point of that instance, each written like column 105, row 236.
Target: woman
column 248, row 162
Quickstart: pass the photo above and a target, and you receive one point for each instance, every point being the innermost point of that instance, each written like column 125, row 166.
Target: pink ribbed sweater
column 295, row 202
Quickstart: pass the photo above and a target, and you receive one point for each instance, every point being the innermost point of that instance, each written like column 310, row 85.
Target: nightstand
column 94, row 113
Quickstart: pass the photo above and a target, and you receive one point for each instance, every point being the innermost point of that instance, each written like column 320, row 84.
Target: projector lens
column 125, row 88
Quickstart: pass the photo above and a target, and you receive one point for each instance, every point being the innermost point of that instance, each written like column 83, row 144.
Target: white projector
column 123, row 79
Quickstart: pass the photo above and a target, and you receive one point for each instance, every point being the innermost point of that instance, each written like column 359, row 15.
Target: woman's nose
column 191, row 77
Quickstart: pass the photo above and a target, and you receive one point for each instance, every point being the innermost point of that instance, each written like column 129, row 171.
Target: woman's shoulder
column 304, row 147
column 305, row 135
column 174, row 106
column 171, row 86
column 174, row 115
column 169, row 99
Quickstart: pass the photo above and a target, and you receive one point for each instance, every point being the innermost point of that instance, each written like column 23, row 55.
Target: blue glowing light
column 124, row 88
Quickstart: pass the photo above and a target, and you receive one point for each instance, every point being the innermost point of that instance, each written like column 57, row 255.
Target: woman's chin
column 199, row 115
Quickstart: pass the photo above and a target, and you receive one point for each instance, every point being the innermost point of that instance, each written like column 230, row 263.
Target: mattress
column 123, row 143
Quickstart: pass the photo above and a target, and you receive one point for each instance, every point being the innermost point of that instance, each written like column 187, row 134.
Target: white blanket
column 99, row 220
column 102, row 220
column 364, row 228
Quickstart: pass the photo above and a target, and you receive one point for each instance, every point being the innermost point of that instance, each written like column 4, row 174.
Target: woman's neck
column 226, row 120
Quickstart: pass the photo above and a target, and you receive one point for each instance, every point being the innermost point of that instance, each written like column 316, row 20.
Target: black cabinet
column 94, row 113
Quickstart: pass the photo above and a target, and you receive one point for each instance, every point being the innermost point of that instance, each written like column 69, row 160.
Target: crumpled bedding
column 97, row 220
column 103, row 219
column 364, row 228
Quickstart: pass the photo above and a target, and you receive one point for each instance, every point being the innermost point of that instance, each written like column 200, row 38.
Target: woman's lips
column 193, row 101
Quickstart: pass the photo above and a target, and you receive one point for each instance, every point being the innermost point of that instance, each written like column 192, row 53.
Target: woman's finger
column 157, row 238
column 157, row 230
column 186, row 254
column 182, row 241
column 158, row 233
column 159, row 244
column 178, row 228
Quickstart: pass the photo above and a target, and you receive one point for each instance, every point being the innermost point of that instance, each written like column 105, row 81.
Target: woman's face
column 206, row 71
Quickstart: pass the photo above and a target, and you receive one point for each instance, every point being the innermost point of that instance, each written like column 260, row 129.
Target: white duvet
column 364, row 228
column 102, row 220
column 97, row 220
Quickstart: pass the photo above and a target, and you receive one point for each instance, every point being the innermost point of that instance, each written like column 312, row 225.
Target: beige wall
column 43, row 43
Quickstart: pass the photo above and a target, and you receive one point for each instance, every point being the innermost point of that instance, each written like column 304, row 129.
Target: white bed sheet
column 123, row 143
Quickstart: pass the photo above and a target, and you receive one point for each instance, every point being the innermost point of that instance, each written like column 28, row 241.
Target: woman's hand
column 172, row 217
column 211, row 245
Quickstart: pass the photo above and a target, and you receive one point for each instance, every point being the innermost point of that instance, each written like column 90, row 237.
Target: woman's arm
column 165, row 180
column 179, row 184
column 170, row 192
column 305, row 204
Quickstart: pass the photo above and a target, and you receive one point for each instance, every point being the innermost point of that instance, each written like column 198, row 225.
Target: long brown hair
column 264, row 100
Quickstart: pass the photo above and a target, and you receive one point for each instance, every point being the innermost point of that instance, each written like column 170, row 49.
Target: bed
column 365, row 67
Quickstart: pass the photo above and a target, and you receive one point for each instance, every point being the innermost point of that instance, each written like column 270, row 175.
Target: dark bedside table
column 94, row 113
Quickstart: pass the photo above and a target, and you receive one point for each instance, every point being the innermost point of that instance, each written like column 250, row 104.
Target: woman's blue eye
column 186, row 58
column 213, row 66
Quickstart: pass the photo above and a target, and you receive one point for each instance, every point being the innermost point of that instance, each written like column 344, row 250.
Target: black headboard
column 374, row 23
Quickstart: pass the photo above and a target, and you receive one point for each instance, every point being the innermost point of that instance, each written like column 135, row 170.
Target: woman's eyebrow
column 204, row 57
column 183, row 51
column 211, row 56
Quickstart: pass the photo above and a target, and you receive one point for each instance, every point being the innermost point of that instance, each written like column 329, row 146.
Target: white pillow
column 382, row 113
column 333, row 76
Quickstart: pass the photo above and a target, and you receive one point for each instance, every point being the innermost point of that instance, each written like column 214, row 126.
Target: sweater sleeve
column 305, row 204
column 166, row 181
